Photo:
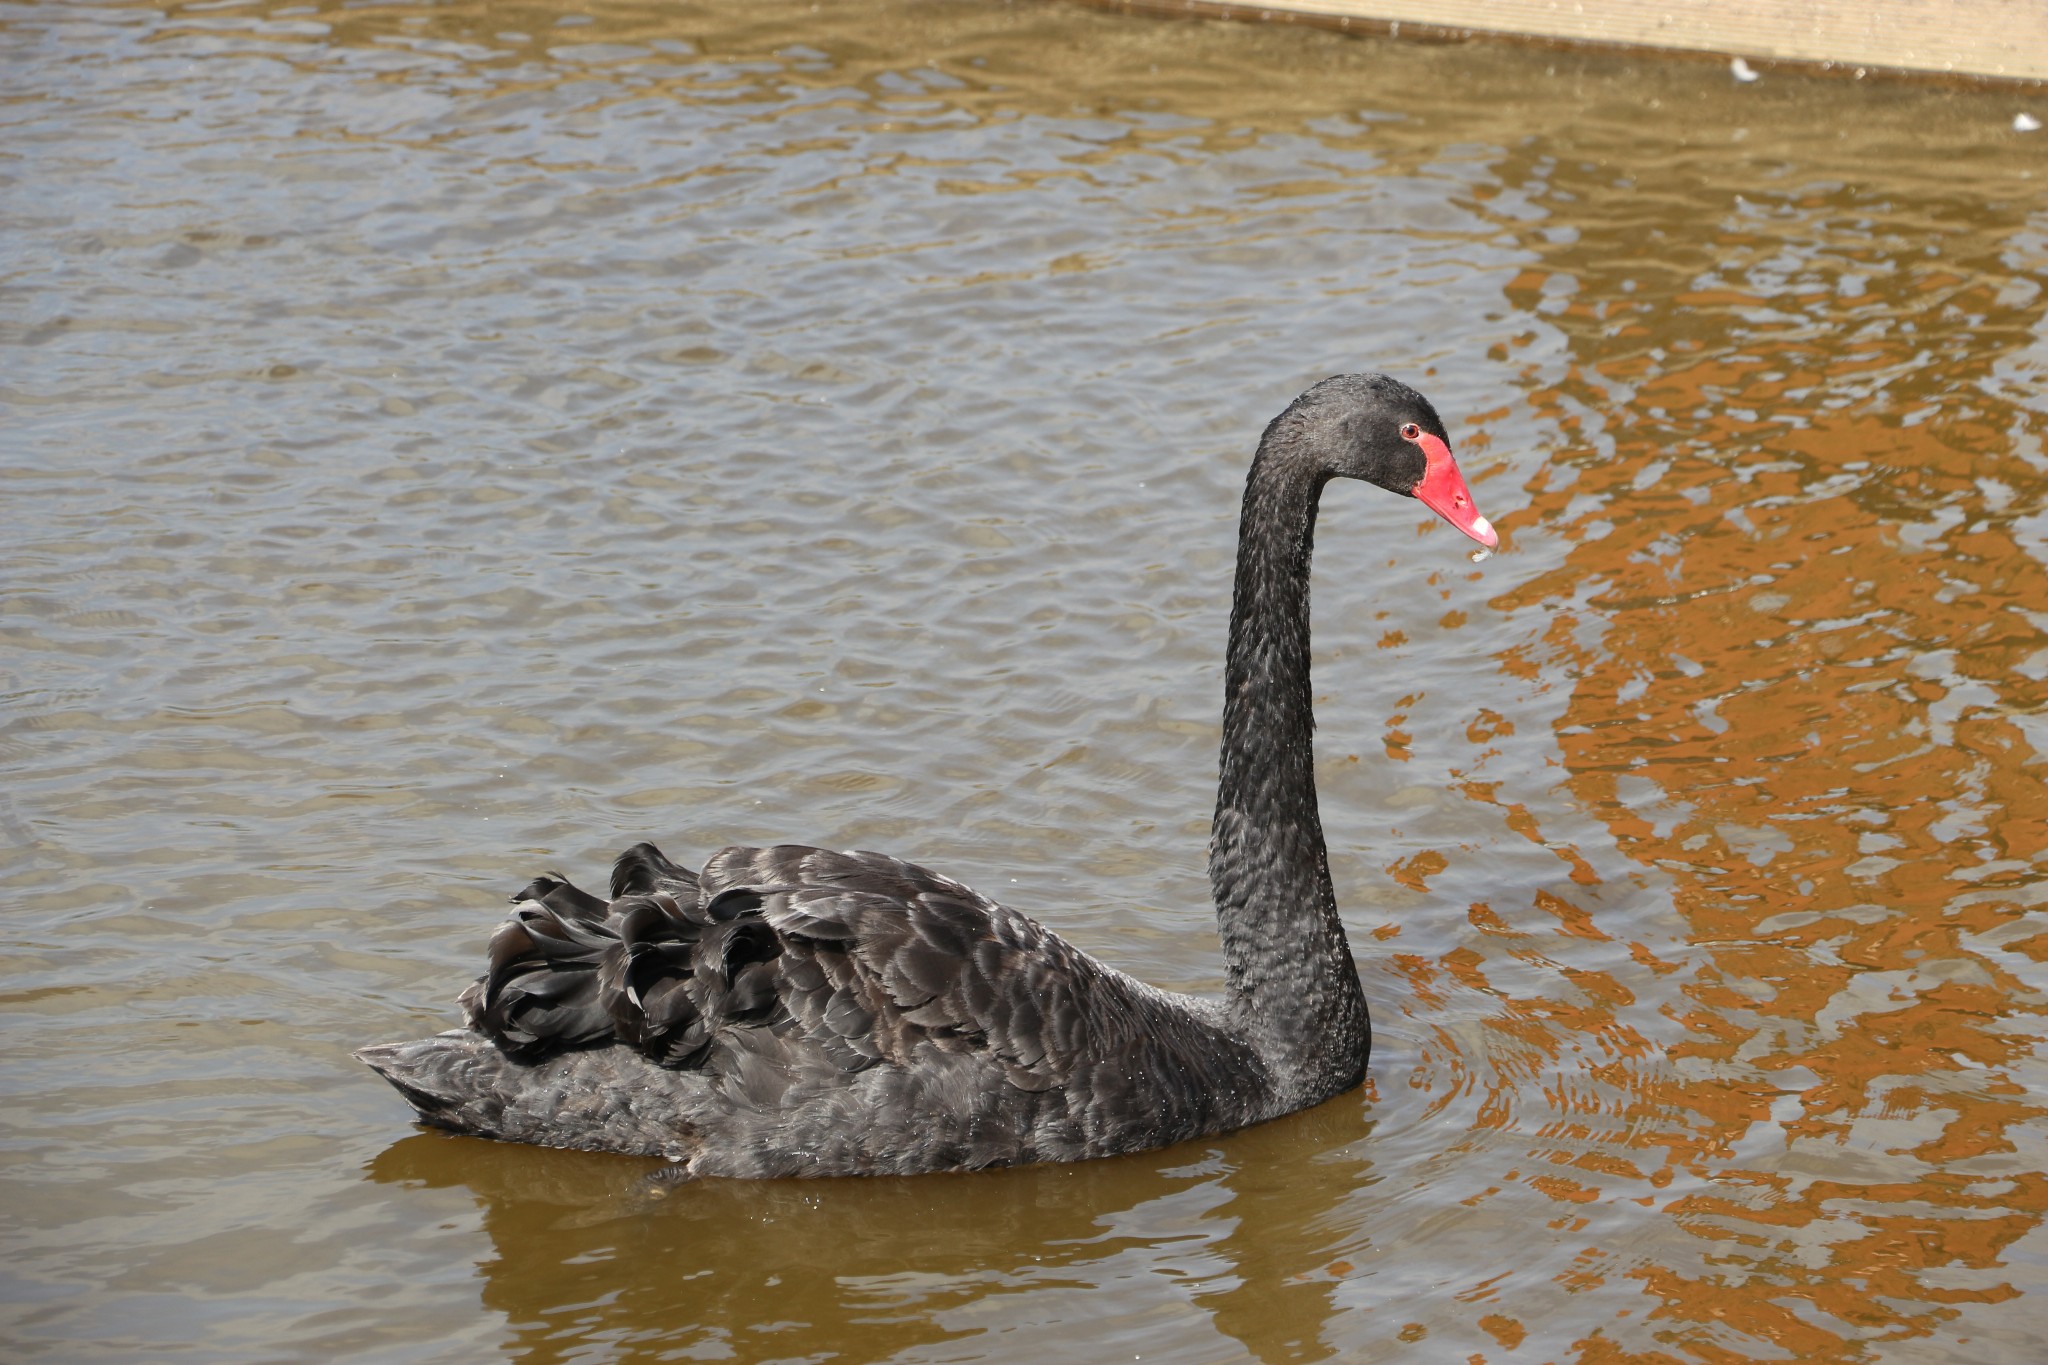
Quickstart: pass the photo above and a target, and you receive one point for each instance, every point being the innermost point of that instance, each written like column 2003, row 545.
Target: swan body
column 793, row 1011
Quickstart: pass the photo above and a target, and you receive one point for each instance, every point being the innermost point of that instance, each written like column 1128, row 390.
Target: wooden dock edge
column 1997, row 40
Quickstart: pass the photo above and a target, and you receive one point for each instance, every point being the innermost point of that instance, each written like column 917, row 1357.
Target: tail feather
column 605, row 1099
column 438, row 1077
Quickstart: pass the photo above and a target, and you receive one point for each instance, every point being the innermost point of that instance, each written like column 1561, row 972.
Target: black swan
column 791, row 1011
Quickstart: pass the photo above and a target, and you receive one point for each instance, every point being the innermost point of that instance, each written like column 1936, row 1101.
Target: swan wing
column 881, row 958
column 857, row 956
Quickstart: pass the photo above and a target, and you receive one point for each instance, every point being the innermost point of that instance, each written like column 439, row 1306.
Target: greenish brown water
column 447, row 442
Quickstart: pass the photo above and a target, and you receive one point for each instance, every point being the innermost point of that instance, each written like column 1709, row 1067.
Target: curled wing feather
column 865, row 958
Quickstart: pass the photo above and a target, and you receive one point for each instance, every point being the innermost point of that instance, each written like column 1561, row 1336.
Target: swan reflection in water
column 1206, row 1250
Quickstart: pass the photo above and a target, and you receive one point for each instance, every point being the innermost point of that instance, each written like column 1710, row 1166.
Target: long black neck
column 1293, row 987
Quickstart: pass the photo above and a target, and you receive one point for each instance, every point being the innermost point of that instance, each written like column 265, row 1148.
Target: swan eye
column 1411, row 432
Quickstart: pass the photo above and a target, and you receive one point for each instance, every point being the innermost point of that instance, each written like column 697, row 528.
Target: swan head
column 1371, row 427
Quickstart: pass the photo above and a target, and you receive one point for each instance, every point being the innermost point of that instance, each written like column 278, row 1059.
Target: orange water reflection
column 1802, row 636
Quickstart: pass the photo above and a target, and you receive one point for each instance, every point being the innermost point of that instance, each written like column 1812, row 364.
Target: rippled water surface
column 448, row 442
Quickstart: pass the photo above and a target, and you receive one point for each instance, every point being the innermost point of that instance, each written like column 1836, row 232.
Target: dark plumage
column 794, row 1011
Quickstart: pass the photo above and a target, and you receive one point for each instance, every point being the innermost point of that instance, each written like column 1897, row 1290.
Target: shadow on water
column 599, row 1248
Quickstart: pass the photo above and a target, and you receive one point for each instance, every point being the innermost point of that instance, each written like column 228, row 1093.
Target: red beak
column 1443, row 492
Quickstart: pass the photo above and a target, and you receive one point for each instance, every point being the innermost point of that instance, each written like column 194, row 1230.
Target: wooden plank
column 2004, row 39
